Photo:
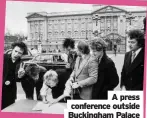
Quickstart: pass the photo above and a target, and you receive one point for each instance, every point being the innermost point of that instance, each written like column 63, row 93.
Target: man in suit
column 133, row 68
column 64, row 74
column 84, row 74
column 10, row 63
column 107, row 74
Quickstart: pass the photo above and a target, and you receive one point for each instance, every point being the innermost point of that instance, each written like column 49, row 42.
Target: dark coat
column 72, row 59
column 28, row 85
column 107, row 78
column 132, row 74
column 9, row 88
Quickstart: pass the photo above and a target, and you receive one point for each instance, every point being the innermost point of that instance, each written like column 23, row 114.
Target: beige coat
column 85, row 73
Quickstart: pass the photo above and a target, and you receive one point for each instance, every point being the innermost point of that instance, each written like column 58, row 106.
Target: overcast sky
column 16, row 11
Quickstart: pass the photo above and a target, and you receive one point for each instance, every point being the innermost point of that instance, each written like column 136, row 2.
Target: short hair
column 138, row 35
column 32, row 69
column 69, row 42
column 21, row 45
column 83, row 47
column 51, row 74
column 98, row 44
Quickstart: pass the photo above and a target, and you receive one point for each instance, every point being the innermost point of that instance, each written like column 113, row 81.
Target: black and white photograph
column 54, row 52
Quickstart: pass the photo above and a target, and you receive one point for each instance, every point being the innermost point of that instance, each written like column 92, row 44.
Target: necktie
column 80, row 62
column 133, row 56
column 98, row 60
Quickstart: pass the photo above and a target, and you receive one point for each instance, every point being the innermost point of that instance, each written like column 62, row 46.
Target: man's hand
column 21, row 71
column 53, row 102
column 69, row 82
column 67, row 65
column 45, row 101
column 75, row 85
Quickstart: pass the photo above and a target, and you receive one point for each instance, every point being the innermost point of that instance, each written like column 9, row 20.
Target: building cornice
column 81, row 13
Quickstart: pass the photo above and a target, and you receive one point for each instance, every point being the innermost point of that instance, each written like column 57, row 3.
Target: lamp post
column 86, row 34
column 130, row 17
column 39, row 41
column 39, row 44
column 97, row 18
column 86, row 31
column 96, row 32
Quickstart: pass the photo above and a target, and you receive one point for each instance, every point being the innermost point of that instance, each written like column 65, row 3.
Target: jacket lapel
column 136, row 61
column 102, row 63
column 77, row 64
column 128, row 61
column 81, row 65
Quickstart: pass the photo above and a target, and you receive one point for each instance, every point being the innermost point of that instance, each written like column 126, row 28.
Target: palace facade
column 46, row 31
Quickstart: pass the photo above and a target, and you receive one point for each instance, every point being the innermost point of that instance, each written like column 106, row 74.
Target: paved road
column 118, row 60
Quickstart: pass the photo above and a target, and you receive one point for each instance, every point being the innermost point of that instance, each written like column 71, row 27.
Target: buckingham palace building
column 46, row 31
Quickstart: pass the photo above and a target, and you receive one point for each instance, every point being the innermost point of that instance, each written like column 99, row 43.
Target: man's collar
column 83, row 56
column 137, row 51
column 12, row 59
column 100, row 56
column 10, row 56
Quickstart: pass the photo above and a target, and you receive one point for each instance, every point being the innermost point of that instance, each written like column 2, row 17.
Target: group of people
column 87, row 76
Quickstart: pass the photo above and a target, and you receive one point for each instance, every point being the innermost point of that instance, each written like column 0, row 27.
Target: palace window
column 109, row 24
column 89, row 25
column 41, row 36
column 69, row 33
column 62, row 33
column 76, row 33
column 89, row 33
column 108, row 31
column 49, row 27
column 31, row 28
column 69, row 26
column 41, row 27
column 102, row 24
column 75, row 25
column 49, row 35
column 36, row 27
column 115, row 22
column 108, row 20
column 56, row 34
column 62, row 25
column 55, row 27
column 83, row 23
column 83, row 33
column 36, row 35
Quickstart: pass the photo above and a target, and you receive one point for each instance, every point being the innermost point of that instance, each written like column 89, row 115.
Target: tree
column 11, row 38
column 20, row 36
column 8, row 32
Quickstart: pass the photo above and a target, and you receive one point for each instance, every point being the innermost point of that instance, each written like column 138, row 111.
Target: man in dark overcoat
column 107, row 74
